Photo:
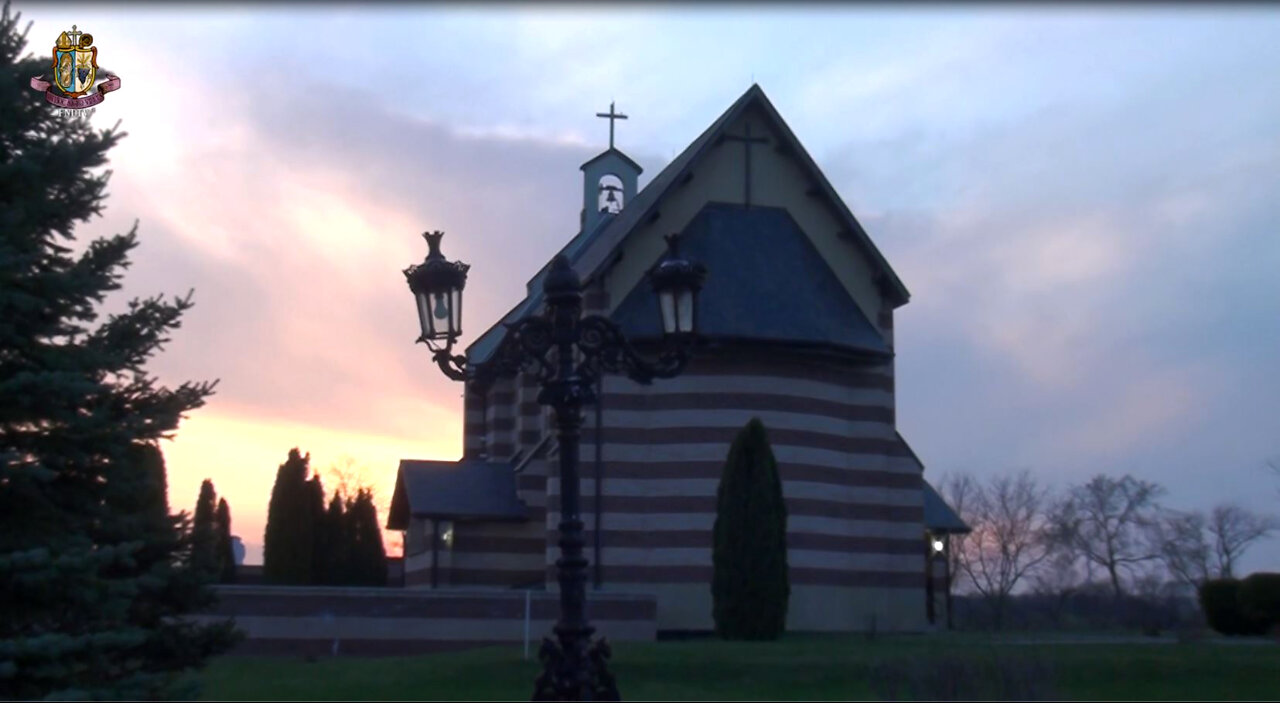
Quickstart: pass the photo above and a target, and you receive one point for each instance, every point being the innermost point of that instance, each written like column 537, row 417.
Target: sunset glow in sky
column 1082, row 201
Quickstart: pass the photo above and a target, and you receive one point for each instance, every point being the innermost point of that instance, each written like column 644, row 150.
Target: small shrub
column 1259, row 599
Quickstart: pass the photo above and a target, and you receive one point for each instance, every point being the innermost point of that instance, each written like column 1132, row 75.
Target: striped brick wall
column 500, row 419
column 529, row 421
column 853, row 491
column 299, row 620
column 474, row 428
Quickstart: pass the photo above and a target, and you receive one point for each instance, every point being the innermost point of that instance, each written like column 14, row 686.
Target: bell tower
column 609, row 181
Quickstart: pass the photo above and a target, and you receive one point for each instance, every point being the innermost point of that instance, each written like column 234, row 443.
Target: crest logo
column 74, row 72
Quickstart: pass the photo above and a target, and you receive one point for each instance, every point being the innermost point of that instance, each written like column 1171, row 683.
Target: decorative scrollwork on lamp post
column 566, row 353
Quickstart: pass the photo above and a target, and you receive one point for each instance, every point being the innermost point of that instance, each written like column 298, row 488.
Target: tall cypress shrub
column 288, row 544
column 204, row 533
column 368, row 556
column 225, row 549
column 332, row 532
column 314, row 516
column 750, row 586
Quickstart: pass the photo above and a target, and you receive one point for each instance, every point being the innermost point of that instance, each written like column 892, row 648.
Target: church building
column 796, row 320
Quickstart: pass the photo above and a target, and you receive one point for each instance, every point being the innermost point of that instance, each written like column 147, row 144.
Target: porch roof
column 467, row 489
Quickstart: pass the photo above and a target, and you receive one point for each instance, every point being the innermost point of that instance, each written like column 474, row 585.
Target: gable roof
column 938, row 516
column 590, row 253
column 597, row 254
column 454, row 490
column 612, row 151
column 770, row 284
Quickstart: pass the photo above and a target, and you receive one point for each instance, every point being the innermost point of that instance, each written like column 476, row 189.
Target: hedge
column 1259, row 599
column 1221, row 602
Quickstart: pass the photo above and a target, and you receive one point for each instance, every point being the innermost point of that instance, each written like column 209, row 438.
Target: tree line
column 307, row 543
column 1108, row 535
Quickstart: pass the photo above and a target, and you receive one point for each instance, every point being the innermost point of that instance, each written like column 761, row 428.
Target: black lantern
column 565, row 353
column 677, row 282
column 437, row 287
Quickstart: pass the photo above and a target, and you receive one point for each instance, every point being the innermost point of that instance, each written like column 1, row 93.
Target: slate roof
column 455, row 490
column 591, row 252
column 938, row 516
column 766, row 282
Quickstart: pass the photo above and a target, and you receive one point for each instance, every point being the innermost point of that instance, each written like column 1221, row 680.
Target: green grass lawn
column 805, row 667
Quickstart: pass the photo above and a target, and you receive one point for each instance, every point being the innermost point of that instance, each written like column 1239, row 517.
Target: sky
column 1081, row 200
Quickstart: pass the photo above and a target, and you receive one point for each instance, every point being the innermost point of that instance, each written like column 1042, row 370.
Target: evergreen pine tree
column 287, row 545
column 225, row 550
column 92, row 577
column 368, row 556
column 750, row 585
column 204, row 533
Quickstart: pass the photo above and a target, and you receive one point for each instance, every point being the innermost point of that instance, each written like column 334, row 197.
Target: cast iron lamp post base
column 582, row 678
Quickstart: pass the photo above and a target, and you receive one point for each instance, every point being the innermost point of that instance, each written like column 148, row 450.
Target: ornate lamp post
column 567, row 353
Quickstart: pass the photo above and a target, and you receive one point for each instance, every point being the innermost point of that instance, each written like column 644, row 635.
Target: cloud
column 1092, row 276
column 293, row 220
column 1081, row 203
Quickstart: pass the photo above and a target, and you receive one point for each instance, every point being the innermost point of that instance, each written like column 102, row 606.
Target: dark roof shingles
column 464, row 489
column 767, row 282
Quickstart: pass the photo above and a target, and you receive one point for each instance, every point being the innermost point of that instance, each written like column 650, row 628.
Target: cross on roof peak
column 747, row 141
column 611, row 115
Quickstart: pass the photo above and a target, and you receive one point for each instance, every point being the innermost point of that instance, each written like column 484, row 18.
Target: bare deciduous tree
column 347, row 477
column 1232, row 529
column 1108, row 522
column 1007, row 515
column 1183, row 547
column 1195, row 547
